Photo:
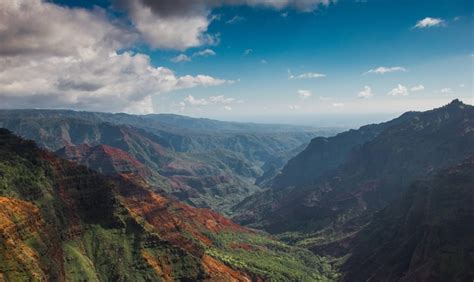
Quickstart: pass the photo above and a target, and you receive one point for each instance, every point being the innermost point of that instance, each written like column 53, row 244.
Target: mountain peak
column 456, row 103
column 455, row 106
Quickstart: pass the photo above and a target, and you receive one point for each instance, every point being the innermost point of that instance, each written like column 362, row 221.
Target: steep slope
column 114, row 161
column 211, row 168
column 326, row 153
column 104, row 159
column 21, row 223
column 62, row 222
column 340, row 201
column 424, row 236
column 198, row 179
column 274, row 166
column 216, row 180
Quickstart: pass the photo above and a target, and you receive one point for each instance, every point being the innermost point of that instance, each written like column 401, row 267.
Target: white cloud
column 172, row 24
column 27, row 29
column 227, row 108
column 305, row 75
column 400, row 90
column 179, row 8
column 338, row 105
column 294, row 107
column 366, row 93
column 304, row 94
column 180, row 58
column 446, row 91
column 235, row 19
column 73, row 62
column 263, row 61
column 311, row 75
column 383, row 70
column 429, row 22
column 462, row 85
column 189, row 81
column 211, row 100
column 248, row 51
column 204, row 53
column 176, row 32
column 301, row 5
column 195, row 102
column 221, row 99
column 419, row 87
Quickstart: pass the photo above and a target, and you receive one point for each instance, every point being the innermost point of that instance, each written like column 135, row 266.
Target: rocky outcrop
column 424, row 236
column 28, row 249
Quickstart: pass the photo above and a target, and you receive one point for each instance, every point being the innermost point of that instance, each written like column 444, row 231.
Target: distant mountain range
column 203, row 162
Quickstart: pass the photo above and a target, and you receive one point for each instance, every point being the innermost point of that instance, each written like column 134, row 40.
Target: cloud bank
column 77, row 61
column 182, row 24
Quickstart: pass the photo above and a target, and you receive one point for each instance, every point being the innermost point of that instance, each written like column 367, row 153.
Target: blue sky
column 342, row 41
column 283, row 60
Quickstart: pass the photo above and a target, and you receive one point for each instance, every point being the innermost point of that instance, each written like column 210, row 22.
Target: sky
column 290, row 61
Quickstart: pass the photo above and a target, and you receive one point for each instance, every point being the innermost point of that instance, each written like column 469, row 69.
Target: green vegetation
column 63, row 221
column 269, row 258
column 338, row 182
column 19, row 178
column 205, row 163
column 84, row 230
column 425, row 235
column 77, row 265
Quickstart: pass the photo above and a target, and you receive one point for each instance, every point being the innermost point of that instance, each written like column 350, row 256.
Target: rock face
column 424, row 236
column 326, row 153
column 21, row 222
column 60, row 221
column 104, row 159
column 202, row 162
column 328, row 210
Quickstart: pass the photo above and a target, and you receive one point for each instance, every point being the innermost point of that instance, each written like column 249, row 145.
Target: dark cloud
column 66, row 85
column 182, row 24
column 166, row 8
column 53, row 56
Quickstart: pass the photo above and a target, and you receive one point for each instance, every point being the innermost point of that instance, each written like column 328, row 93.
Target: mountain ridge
column 64, row 221
column 342, row 200
column 330, row 152
column 423, row 236
column 205, row 169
